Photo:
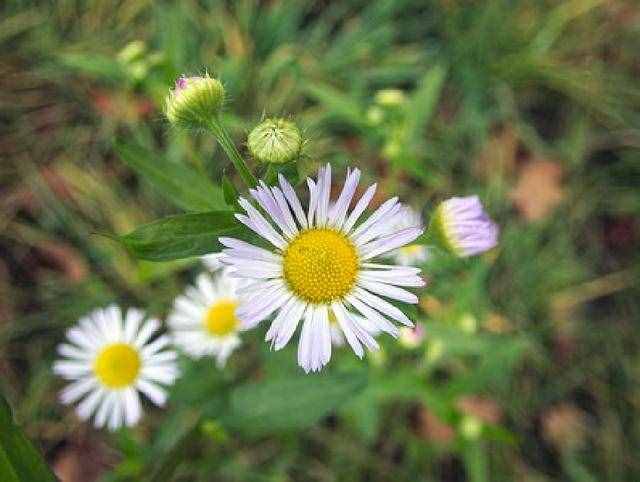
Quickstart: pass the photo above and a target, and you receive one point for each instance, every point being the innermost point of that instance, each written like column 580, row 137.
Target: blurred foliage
column 529, row 366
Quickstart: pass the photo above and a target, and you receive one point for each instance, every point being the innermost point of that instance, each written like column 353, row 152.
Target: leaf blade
column 180, row 236
column 295, row 403
column 19, row 459
column 181, row 185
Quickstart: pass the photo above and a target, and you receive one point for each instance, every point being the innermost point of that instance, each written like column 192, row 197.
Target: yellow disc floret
column 320, row 265
column 220, row 319
column 117, row 365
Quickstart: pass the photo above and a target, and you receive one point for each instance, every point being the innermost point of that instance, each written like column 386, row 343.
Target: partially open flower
column 275, row 140
column 194, row 101
column 461, row 226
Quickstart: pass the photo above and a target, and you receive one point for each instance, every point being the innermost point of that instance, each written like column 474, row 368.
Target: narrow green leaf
column 181, row 236
column 423, row 103
column 338, row 104
column 230, row 191
column 19, row 460
column 186, row 188
column 291, row 403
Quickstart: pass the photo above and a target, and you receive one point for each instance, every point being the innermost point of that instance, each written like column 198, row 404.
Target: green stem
column 230, row 149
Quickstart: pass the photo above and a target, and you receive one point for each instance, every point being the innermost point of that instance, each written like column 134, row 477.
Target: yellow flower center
column 220, row 319
column 320, row 265
column 117, row 365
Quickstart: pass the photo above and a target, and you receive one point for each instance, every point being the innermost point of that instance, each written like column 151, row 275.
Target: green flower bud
column 275, row 140
column 390, row 97
column 471, row 427
column 194, row 101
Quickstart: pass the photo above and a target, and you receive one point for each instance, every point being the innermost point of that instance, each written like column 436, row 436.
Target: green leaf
column 230, row 192
column 181, row 236
column 337, row 104
column 291, row 403
column 185, row 187
column 423, row 103
column 19, row 460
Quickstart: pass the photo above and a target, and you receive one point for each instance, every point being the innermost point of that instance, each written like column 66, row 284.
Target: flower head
column 203, row 321
column 109, row 359
column 321, row 262
column 462, row 226
column 275, row 140
column 194, row 101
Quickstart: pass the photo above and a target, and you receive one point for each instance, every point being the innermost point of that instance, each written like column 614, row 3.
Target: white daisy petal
column 382, row 306
column 292, row 199
column 70, row 351
column 88, row 406
column 305, row 345
column 149, row 327
column 388, row 243
column 389, row 291
column 76, row 390
column 347, row 328
column 132, row 324
column 338, row 212
column 361, row 205
column 372, row 315
column 116, row 417
column 104, row 411
column 289, row 325
column 132, row 407
column 152, row 391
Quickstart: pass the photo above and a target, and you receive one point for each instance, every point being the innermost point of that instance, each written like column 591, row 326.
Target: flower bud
column 471, row 427
column 194, row 101
column 461, row 226
column 275, row 140
column 390, row 97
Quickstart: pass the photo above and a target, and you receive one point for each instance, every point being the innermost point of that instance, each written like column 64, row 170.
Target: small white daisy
column 110, row 360
column 203, row 321
column 411, row 254
column 322, row 262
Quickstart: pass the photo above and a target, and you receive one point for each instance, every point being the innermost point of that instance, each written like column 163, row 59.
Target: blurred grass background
column 530, row 367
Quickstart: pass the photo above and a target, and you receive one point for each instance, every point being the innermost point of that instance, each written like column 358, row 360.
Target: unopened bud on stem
column 275, row 141
column 194, row 102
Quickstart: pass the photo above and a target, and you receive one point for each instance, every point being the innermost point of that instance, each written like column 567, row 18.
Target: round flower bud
column 194, row 101
column 390, row 97
column 275, row 140
column 461, row 226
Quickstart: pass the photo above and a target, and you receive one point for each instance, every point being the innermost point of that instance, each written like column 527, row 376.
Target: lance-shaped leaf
column 19, row 460
column 180, row 184
column 181, row 236
column 291, row 403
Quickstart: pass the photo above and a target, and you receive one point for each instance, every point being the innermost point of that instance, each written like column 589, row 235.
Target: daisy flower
column 109, row 359
column 203, row 321
column 321, row 261
column 411, row 254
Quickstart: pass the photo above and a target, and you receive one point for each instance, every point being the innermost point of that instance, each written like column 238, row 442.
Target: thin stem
column 230, row 149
